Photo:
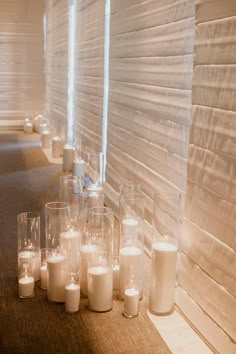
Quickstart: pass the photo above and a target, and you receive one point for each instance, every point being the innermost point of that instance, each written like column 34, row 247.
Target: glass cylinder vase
column 131, row 239
column 28, row 238
column 100, row 271
column 87, row 200
column 166, row 233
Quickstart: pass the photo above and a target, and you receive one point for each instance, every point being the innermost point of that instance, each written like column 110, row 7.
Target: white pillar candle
column 163, row 276
column 131, row 303
column 56, row 278
column 68, row 157
column 56, row 146
column 26, row 286
column 43, row 276
column 116, row 276
column 72, row 297
column 131, row 256
column 78, row 168
column 45, row 139
column 85, row 252
column 43, row 127
column 27, row 120
column 100, row 286
column 70, row 243
column 28, row 128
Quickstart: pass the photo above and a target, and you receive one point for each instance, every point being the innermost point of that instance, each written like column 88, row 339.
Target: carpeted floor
column 27, row 182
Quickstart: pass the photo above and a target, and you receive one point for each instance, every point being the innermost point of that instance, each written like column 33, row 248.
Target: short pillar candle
column 131, row 302
column 72, row 297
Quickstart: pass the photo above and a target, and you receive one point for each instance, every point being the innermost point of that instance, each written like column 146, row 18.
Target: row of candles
column 79, row 257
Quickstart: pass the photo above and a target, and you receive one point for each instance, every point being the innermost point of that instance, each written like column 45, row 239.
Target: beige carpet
column 27, row 182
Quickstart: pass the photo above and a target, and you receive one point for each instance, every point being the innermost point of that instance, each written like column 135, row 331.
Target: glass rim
column 99, row 211
column 135, row 195
column 57, row 205
column 29, row 215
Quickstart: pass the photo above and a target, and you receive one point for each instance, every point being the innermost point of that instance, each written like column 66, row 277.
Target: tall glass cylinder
column 94, row 171
column 87, row 200
column 69, row 189
column 131, row 239
column 166, row 233
column 65, row 245
column 100, row 272
column 28, row 237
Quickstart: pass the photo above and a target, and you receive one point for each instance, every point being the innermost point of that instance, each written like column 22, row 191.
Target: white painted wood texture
column 89, row 74
column 56, row 68
column 21, row 58
column 151, row 48
column 208, row 241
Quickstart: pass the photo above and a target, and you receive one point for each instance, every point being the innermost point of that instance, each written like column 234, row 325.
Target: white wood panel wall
column 151, row 47
column 21, row 58
column 56, row 68
column 209, row 232
column 89, row 74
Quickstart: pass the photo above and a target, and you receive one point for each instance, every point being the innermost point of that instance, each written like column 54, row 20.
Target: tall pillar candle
column 163, row 276
column 78, row 168
column 45, row 139
column 68, row 157
column 100, row 286
column 131, row 256
column 72, row 297
column 56, row 146
column 56, row 278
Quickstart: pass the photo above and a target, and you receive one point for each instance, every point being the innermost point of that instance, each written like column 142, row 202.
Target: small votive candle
column 25, row 276
column 131, row 302
column 72, row 297
column 28, row 128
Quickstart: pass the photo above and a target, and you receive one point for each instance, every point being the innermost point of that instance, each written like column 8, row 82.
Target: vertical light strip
column 105, row 84
column 71, row 71
column 44, row 24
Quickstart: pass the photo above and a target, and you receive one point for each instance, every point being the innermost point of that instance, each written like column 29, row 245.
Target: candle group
column 163, row 276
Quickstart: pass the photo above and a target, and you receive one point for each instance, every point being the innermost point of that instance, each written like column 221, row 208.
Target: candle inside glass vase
column 100, row 270
column 166, row 232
